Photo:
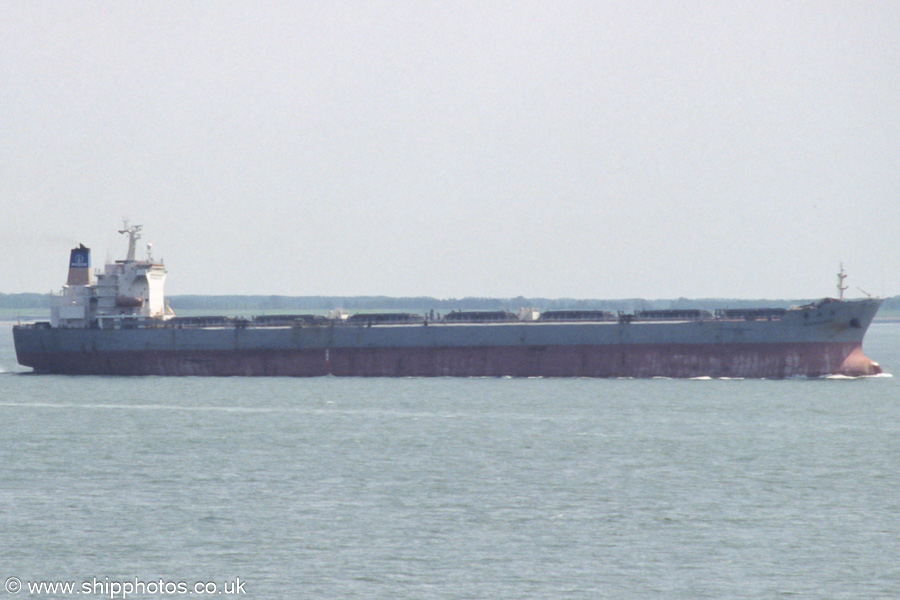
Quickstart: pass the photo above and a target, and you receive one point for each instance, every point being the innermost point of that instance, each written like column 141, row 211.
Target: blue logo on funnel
column 80, row 258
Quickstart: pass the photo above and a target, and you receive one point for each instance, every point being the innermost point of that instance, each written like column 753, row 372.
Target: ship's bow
column 857, row 364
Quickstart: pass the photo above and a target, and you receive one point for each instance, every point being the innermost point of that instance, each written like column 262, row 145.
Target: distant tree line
column 288, row 303
column 25, row 301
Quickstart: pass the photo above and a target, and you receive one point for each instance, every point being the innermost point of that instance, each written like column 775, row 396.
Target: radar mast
column 840, row 285
column 133, row 236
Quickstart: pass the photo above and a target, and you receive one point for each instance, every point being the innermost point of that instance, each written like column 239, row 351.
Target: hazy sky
column 577, row 149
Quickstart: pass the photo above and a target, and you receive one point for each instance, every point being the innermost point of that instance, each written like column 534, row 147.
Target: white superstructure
column 126, row 291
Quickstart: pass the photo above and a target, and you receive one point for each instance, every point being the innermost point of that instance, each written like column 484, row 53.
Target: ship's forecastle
column 126, row 289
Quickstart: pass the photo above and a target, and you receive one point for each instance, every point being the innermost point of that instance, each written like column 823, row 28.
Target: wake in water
column 19, row 371
column 793, row 377
column 149, row 407
column 876, row 376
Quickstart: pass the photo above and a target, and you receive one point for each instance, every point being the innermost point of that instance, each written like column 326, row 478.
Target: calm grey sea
column 452, row 488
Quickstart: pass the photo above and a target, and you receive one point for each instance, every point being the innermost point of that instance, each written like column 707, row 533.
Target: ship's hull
column 811, row 342
column 657, row 360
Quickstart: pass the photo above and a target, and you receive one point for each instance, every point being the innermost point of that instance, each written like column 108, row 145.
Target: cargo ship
column 117, row 322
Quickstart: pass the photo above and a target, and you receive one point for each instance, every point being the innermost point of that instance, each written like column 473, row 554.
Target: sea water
column 148, row 487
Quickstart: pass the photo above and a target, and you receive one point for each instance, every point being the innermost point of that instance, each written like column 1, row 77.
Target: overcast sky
column 560, row 149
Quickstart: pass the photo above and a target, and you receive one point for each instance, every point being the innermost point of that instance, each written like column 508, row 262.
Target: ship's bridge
column 125, row 289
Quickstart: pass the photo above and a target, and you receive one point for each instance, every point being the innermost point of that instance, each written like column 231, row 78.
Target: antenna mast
column 840, row 285
column 133, row 236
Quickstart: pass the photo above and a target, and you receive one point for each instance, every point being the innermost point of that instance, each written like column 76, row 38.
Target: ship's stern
column 27, row 342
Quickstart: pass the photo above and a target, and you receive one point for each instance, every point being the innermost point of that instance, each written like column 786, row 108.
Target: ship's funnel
column 80, row 266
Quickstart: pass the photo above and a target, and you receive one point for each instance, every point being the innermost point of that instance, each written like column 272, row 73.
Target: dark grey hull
column 809, row 342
